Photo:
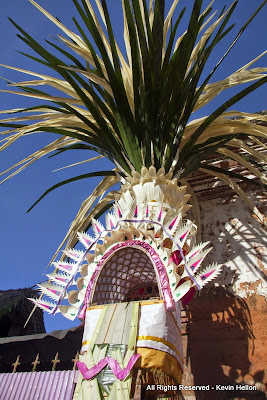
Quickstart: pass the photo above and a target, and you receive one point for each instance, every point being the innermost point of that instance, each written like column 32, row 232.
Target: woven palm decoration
column 145, row 233
column 136, row 108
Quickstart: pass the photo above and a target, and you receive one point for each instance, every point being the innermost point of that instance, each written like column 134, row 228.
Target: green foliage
column 135, row 109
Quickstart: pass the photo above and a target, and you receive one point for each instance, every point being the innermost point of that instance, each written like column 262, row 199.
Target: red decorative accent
column 156, row 261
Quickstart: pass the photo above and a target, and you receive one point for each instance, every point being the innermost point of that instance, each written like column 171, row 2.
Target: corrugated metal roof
column 44, row 385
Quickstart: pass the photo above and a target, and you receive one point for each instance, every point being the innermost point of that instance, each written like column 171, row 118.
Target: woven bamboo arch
column 126, row 266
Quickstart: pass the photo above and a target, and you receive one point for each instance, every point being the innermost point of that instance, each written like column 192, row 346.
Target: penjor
column 135, row 106
column 134, row 273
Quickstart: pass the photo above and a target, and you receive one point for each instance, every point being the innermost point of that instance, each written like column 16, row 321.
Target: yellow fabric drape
column 159, row 360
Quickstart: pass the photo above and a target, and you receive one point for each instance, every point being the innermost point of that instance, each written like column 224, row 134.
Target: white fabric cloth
column 157, row 329
column 156, row 322
column 91, row 318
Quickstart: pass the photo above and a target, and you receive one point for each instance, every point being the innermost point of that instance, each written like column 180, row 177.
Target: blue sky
column 28, row 241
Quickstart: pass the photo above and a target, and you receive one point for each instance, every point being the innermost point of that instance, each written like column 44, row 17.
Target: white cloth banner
column 157, row 329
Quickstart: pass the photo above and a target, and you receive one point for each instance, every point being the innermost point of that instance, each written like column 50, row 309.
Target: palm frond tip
column 141, row 100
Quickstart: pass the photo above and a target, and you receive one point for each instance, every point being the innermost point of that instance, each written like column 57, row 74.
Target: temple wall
column 225, row 326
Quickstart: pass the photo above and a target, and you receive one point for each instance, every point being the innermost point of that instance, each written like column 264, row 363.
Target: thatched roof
column 10, row 299
column 14, row 311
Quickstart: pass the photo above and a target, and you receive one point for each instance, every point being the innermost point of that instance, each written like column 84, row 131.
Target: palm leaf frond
column 136, row 106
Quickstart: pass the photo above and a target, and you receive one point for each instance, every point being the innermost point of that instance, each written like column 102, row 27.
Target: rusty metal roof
column 44, row 385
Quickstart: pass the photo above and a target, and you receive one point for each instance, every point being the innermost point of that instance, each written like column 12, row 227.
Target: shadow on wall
column 237, row 239
column 221, row 346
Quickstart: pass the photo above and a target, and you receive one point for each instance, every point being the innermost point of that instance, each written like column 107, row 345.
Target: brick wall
column 225, row 326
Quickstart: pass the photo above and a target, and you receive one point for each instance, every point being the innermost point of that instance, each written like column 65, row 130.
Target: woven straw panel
column 143, row 292
column 126, row 270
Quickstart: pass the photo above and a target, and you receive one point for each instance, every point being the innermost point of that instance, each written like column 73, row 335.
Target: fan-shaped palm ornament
column 136, row 110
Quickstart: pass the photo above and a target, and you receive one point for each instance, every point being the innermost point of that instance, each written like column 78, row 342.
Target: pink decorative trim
column 207, row 274
column 80, row 261
column 163, row 278
column 120, row 374
column 172, row 224
column 160, row 215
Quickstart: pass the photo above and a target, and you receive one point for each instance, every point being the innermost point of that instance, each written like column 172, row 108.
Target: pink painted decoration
column 60, row 279
column 193, row 254
column 97, row 228
column 172, row 223
column 64, row 266
column 195, row 264
column 160, row 215
column 184, row 235
column 56, row 292
column 44, row 304
column 203, row 277
column 74, row 254
column 120, row 374
column 119, row 212
column 85, row 239
column 209, row 274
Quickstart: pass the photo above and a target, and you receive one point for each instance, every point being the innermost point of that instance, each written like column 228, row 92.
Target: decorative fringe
column 157, row 377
